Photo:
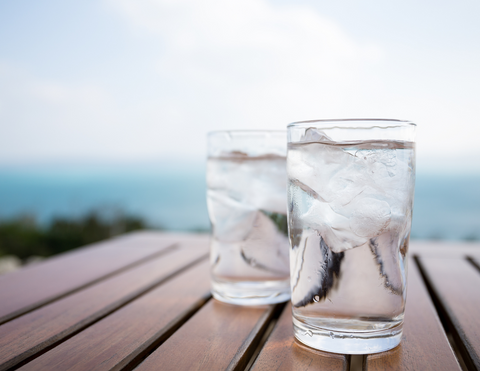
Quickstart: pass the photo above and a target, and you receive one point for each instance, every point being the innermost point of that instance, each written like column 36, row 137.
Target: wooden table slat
column 456, row 285
column 475, row 260
column 60, row 319
column 283, row 352
column 424, row 344
column 118, row 339
column 142, row 301
column 444, row 249
column 34, row 286
column 219, row 337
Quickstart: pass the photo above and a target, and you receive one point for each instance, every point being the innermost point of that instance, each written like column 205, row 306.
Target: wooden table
column 142, row 302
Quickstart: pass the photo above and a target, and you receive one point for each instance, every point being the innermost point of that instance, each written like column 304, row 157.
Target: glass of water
column 350, row 200
column 246, row 198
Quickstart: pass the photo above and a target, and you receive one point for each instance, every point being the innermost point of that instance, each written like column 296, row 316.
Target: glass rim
column 334, row 123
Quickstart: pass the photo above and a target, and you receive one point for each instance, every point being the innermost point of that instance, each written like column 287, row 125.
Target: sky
column 116, row 81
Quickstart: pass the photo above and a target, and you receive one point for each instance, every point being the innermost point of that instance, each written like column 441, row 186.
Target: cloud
column 251, row 60
column 220, row 65
column 17, row 83
column 56, row 93
column 216, row 27
column 46, row 118
column 224, row 65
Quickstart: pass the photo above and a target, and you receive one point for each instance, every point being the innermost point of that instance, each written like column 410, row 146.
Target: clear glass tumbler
column 350, row 200
column 246, row 198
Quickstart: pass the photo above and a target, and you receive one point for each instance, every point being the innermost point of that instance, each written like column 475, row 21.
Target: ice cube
column 387, row 249
column 346, row 185
column 309, row 191
column 232, row 220
column 323, row 218
column 258, row 246
column 379, row 162
column 267, row 192
column 369, row 217
column 333, row 227
column 387, row 261
column 260, row 182
column 305, row 165
column 316, row 273
column 315, row 135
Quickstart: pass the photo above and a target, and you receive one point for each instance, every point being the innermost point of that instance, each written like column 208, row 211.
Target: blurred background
column 105, row 105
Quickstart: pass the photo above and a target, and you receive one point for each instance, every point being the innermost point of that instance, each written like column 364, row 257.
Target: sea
column 172, row 197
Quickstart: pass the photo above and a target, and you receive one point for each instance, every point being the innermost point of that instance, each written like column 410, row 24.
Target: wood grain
column 456, row 286
column 444, row 249
column 30, row 334
column 424, row 344
column 121, row 337
column 216, row 338
column 37, row 285
column 119, row 313
column 283, row 352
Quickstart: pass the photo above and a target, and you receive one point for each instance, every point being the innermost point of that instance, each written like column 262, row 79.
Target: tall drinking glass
column 246, row 197
column 350, row 200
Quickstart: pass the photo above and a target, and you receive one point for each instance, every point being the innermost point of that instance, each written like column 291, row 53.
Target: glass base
column 252, row 293
column 343, row 342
